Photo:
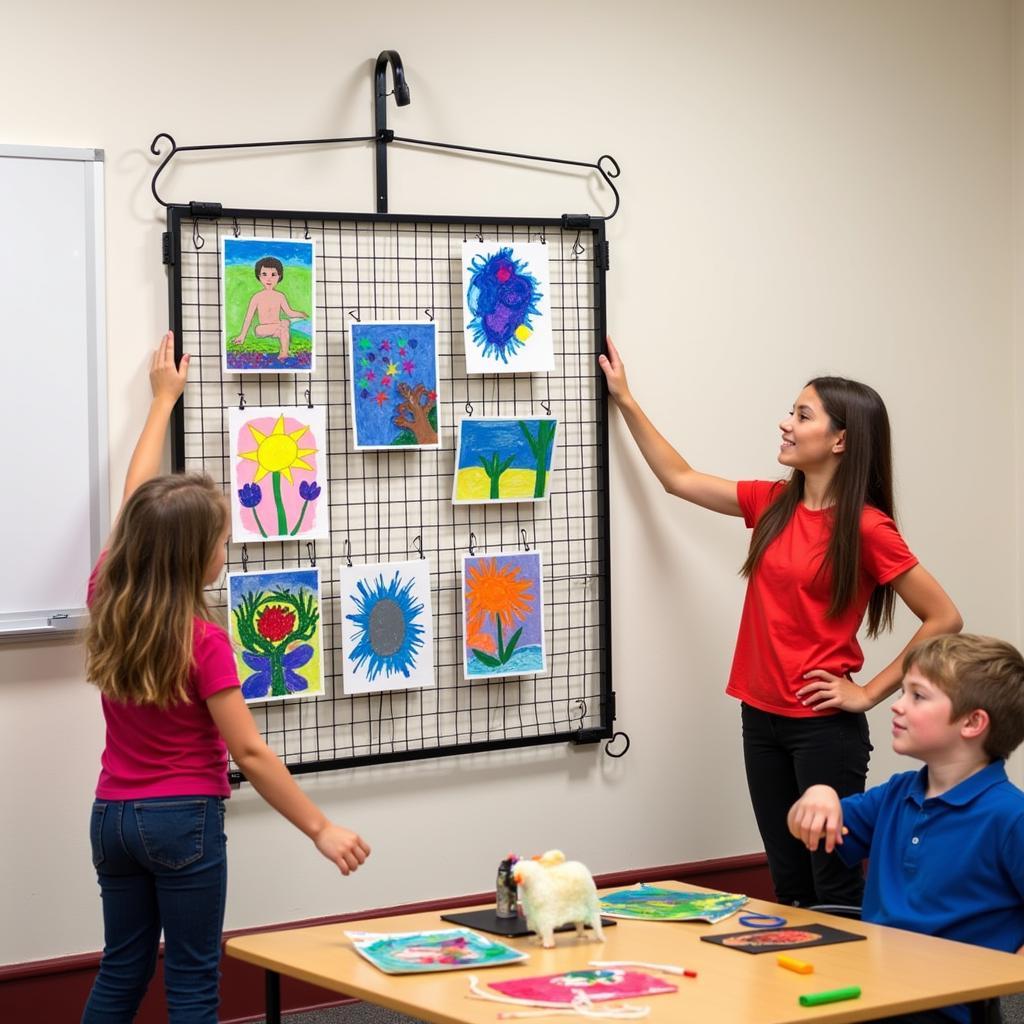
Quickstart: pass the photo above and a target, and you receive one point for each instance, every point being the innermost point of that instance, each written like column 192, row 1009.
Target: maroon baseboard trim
column 55, row 990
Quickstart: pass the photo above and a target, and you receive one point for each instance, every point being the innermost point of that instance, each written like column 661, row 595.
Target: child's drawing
column 447, row 949
column 502, row 458
column 269, row 305
column 503, row 613
column 394, row 384
column 274, row 620
column 650, row 903
column 506, row 290
column 278, row 486
column 597, row 983
column 387, row 632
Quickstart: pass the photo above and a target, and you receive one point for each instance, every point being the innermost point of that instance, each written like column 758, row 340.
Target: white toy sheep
column 555, row 892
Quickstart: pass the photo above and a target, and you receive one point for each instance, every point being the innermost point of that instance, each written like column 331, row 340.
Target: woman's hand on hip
column 826, row 691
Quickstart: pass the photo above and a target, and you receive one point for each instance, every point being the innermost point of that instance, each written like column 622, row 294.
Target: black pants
column 783, row 757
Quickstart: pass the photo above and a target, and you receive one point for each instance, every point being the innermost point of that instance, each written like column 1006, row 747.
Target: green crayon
column 834, row 995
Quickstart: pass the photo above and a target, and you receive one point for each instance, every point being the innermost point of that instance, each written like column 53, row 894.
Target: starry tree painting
column 394, row 384
column 504, row 458
column 387, row 635
column 274, row 621
column 503, row 613
column 506, row 290
column 277, row 473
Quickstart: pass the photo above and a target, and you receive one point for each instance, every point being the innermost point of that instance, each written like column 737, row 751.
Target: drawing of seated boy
column 268, row 305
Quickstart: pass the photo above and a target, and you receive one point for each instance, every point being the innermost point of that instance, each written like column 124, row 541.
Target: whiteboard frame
column 53, row 623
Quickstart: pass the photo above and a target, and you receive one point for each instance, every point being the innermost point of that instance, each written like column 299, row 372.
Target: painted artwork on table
column 394, row 384
column 274, row 621
column 269, row 293
column 506, row 289
column 387, row 633
column 447, row 949
column 650, row 903
column 596, row 983
column 763, row 940
column 278, row 490
column 503, row 614
column 504, row 458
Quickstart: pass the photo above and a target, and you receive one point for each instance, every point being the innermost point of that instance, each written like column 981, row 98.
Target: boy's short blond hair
column 977, row 672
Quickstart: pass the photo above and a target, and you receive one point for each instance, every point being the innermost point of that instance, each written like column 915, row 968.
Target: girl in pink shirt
column 174, row 711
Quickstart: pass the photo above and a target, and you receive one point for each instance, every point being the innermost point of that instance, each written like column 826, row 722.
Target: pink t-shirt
column 178, row 751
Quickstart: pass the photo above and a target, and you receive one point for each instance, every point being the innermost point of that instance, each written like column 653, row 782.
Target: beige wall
column 809, row 186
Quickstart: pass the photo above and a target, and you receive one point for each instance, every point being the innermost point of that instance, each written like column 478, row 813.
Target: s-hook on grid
column 396, row 506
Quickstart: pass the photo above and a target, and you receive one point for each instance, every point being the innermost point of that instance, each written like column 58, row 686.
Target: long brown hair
column 149, row 589
column 863, row 477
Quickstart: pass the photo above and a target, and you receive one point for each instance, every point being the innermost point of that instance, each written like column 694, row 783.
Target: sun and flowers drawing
column 502, row 458
column 394, row 384
column 277, row 489
column 269, row 293
column 506, row 306
column 503, row 613
column 387, row 635
column 274, row 621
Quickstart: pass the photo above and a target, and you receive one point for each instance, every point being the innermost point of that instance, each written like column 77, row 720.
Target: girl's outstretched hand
column 614, row 372
column 166, row 379
column 342, row 846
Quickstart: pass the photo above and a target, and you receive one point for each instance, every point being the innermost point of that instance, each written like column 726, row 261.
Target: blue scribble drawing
column 387, row 636
column 503, row 297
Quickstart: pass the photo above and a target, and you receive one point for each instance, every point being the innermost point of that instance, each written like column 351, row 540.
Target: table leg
column 985, row 1011
column 272, row 987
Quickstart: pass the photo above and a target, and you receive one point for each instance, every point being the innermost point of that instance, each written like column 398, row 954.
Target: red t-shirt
column 178, row 751
column 785, row 629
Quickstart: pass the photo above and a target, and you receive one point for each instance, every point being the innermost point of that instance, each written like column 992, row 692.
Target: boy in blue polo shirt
column 946, row 843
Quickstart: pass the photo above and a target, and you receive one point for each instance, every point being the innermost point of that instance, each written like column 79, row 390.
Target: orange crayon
column 799, row 966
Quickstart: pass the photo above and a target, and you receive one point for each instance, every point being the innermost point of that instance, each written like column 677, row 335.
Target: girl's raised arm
column 677, row 476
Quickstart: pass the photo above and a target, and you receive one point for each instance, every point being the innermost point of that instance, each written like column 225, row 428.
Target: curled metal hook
column 234, row 226
column 582, row 705
column 417, row 545
column 354, row 313
column 347, row 552
column 472, row 543
column 245, row 557
column 311, row 552
column 577, row 249
column 469, row 408
column 309, row 396
column 608, row 745
column 608, row 175
column 546, row 405
column 241, row 399
column 154, row 148
column 306, row 236
column 197, row 239
column 429, row 313
column 526, row 543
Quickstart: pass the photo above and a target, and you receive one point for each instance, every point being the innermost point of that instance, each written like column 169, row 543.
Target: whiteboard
column 54, row 509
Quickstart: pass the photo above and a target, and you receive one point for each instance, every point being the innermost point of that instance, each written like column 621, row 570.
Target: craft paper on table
column 393, row 390
column 760, row 940
column 502, row 458
column 269, row 293
column 596, row 983
column 387, row 633
column 278, row 487
column 649, row 903
column 274, row 621
column 506, row 290
column 503, row 615
column 448, row 949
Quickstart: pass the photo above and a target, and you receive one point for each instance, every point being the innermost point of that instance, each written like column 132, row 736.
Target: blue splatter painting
column 507, row 307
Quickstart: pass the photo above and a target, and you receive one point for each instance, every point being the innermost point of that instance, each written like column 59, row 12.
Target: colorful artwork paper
column 278, row 477
column 274, row 622
column 503, row 615
column 269, row 291
column 761, row 940
column 506, row 290
column 394, row 389
column 504, row 458
column 596, row 983
column 649, row 903
column 448, row 949
column 387, row 632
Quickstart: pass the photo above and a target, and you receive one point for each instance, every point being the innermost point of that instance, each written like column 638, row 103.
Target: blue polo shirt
column 951, row 865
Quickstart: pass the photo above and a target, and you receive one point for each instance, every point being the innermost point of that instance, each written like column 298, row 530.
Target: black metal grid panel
column 390, row 505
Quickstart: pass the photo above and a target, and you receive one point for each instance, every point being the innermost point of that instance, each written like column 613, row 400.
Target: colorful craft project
column 277, row 480
column 269, row 305
column 448, row 949
column 503, row 614
column 762, row 941
column 649, row 903
column 274, row 621
column 507, row 308
column 387, row 635
column 598, row 984
column 394, row 384
column 502, row 458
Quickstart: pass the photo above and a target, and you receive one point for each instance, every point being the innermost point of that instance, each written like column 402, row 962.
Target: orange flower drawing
column 497, row 592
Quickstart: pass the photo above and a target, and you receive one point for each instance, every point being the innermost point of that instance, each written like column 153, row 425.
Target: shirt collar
column 963, row 792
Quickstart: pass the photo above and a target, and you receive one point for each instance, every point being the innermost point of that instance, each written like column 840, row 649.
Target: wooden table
column 897, row 971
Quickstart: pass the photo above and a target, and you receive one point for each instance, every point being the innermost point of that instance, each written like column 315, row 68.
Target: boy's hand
column 817, row 813
column 166, row 379
column 342, row 846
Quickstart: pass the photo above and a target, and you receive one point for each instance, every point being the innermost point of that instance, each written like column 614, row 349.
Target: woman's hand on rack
column 342, row 846
column 826, row 691
column 614, row 372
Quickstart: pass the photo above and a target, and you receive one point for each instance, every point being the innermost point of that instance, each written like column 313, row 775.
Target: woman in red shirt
column 824, row 550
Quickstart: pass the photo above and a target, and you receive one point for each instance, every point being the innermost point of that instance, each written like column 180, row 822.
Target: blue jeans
column 161, row 864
